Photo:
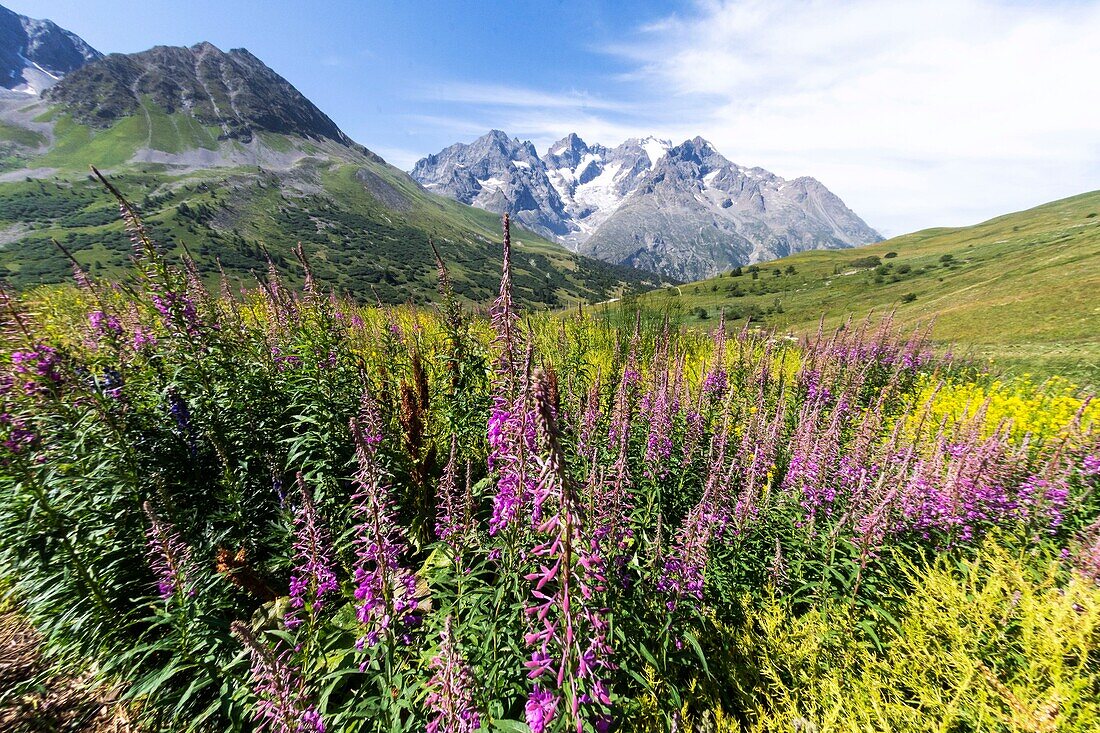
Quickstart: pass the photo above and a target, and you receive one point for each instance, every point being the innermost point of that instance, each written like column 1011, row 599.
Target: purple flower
column 511, row 436
column 177, row 311
column 104, row 323
column 502, row 316
column 284, row 361
column 716, row 381
column 283, row 705
column 19, row 437
column 40, row 366
column 541, row 707
column 658, row 449
column 682, row 576
column 569, row 629
column 1044, row 498
column 450, row 697
column 169, row 557
column 313, row 576
column 143, row 339
column 1090, row 466
column 453, row 512
column 386, row 590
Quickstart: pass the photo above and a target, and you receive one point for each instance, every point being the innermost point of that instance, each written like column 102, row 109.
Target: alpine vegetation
column 275, row 509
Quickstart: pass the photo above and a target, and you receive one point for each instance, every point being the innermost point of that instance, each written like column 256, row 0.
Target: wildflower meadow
column 262, row 509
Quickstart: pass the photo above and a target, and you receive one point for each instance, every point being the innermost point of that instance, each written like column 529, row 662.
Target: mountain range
column 228, row 160
column 682, row 211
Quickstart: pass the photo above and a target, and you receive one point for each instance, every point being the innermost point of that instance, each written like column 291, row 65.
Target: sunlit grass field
column 1018, row 291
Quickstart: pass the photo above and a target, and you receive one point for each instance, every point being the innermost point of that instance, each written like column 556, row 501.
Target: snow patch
column 491, row 184
column 655, row 149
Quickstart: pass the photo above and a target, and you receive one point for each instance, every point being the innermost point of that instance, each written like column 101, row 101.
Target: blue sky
column 938, row 112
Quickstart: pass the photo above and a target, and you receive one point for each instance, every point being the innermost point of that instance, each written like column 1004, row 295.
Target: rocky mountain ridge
column 233, row 91
column 36, row 54
column 682, row 211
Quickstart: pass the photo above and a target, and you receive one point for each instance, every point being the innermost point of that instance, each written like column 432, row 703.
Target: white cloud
column 500, row 95
column 917, row 114
column 541, row 117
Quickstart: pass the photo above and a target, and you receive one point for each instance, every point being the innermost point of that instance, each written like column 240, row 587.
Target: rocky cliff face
column 696, row 214
column 594, row 180
column 36, row 54
column 684, row 211
column 499, row 174
column 234, row 91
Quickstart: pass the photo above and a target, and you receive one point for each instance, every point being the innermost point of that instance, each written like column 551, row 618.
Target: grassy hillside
column 1020, row 290
column 365, row 224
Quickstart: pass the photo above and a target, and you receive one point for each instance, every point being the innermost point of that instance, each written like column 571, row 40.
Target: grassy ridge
column 366, row 223
column 1019, row 289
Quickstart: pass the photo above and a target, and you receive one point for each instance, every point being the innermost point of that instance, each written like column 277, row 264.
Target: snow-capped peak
column 655, row 148
column 38, row 53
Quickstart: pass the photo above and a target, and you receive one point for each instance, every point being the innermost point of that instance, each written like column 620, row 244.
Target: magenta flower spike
column 453, row 511
column 283, row 705
column 450, row 700
column 716, row 381
column 313, row 577
column 170, row 557
column 386, row 591
column 658, row 449
column 571, row 651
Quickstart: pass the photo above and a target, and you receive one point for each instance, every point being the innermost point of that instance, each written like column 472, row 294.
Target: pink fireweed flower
column 610, row 502
column 80, row 277
column 450, row 698
column 716, row 381
column 682, row 576
column 541, row 707
column 683, row 573
column 756, row 458
column 619, row 430
column 512, row 444
column 104, row 323
column 143, row 338
column 815, row 453
column 386, row 590
column 177, row 311
column 658, row 449
column 965, row 485
column 502, row 315
column 510, row 430
column 1086, row 558
column 694, row 427
column 591, row 417
column 313, row 577
column 169, row 556
column 1045, row 498
column 453, row 511
column 17, row 436
column 283, row 705
column 571, row 651
column 39, row 366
